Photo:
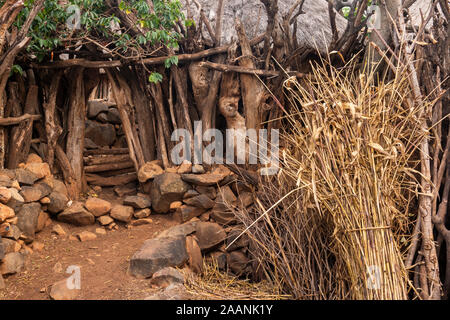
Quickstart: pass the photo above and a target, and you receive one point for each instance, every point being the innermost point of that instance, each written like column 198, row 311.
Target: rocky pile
column 29, row 195
column 201, row 202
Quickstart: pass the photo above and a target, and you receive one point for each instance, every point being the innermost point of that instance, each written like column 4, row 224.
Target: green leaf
column 155, row 77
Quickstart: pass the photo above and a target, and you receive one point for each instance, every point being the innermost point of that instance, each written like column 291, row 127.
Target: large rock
column 12, row 263
column 35, row 193
column 41, row 170
column 97, row 106
column 184, row 230
column 113, row 116
column 156, row 254
column 186, row 213
column 149, row 171
column 60, row 187
column 167, row 276
column 98, row 207
column 137, row 202
column 167, row 188
column 77, row 215
column 209, row 235
column 236, row 241
column 101, row 134
column 61, row 291
column 122, row 213
column 28, row 219
column 58, row 202
column 201, row 201
column 5, row 213
column 26, row 177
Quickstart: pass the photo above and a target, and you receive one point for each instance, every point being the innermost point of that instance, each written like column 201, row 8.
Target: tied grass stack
column 336, row 222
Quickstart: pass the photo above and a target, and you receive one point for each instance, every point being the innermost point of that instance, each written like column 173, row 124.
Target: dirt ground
column 103, row 263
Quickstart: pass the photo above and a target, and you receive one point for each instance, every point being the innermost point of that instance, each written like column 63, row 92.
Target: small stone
column 95, row 107
column 204, row 216
column 43, row 219
column 86, row 236
column 149, row 171
column 141, row 214
column 141, row 222
column 198, row 169
column 166, row 276
column 122, row 191
column 98, row 207
column 5, row 195
column 122, row 213
column 12, row 263
column 234, row 243
column 185, row 167
column 210, row 192
column 137, row 202
column 5, row 213
column 101, row 231
column 103, row 135
column 58, row 230
column 171, row 170
column 105, row 220
column 13, row 232
column 16, row 202
column 220, row 259
column 38, row 246
column 45, row 200
column 175, row 205
column 61, row 291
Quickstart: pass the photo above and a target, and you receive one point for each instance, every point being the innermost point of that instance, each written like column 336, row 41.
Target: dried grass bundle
column 334, row 223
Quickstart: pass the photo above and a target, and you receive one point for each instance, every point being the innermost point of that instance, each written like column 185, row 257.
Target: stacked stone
column 203, row 203
column 103, row 127
column 28, row 196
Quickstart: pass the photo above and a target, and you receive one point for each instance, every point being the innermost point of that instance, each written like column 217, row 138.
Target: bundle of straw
column 334, row 223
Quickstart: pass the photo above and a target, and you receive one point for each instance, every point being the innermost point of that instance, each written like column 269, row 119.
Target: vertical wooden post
column 76, row 126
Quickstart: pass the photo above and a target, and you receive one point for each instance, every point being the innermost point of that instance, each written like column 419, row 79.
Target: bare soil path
column 103, row 263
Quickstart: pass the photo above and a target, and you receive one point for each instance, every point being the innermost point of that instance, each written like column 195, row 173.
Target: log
column 148, row 61
column 68, row 174
column 52, row 128
column 76, row 126
column 104, row 159
column 108, row 166
column 112, row 151
column 119, row 172
column 11, row 121
column 253, row 91
column 118, row 88
column 111, row 181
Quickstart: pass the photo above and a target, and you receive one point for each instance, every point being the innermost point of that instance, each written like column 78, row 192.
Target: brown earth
column 103, row 262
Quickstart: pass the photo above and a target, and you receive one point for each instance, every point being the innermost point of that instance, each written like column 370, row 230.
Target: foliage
column 53, row 27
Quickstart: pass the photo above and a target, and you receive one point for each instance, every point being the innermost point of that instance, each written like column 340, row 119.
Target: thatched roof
column 313, row 27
